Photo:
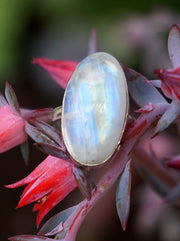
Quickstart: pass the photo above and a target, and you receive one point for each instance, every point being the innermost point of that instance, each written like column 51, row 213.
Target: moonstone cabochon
column 94, row 110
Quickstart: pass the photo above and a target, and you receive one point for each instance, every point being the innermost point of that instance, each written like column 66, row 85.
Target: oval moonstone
column 94, row 109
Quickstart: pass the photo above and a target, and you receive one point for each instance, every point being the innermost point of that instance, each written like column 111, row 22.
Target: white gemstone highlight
column 94, row 109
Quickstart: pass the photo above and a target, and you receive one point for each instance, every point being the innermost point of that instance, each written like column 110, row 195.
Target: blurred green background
column 60, row 29
column 135, row 32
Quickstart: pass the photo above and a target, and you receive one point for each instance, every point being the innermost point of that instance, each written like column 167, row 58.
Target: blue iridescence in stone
column 94, row 109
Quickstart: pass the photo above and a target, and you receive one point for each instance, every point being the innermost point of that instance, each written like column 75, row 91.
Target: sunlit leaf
column 123, row 195
column 141, row 91
column 174, row 46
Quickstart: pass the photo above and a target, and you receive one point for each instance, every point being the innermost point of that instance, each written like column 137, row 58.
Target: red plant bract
column 47, row 185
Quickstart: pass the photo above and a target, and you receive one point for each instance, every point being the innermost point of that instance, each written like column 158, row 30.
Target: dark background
column 135, row 32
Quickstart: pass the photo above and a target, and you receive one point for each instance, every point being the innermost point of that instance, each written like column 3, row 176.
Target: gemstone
column 94, row 109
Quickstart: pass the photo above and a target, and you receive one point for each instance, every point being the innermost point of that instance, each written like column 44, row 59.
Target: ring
column 94, row 109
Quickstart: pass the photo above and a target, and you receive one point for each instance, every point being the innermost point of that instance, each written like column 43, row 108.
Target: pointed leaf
column 174, row 46
column 2, row 100
column 167, row 118
column 11, row 98
column 145, row 109
column 93, row 46
column 43, row 114
column 123, row 195
column 83, row 182
column 25, row 151
column 60, row 71
column 52, row 150
column 36, row 173
column 59, row 228
column 141, row 91
column 50, row 131
column 173, row 194
column 53, row 222
column 156, row 83
column 29, row 238
column 56, row 113
column 37, row 135
column 155, row 181
column 174, row 163
column 56, row 196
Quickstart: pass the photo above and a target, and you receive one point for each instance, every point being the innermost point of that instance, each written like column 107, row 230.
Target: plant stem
column 131, row 136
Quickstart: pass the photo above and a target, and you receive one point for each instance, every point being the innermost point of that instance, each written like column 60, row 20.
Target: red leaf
column 47, row 182
column 42, row 168
column 145, row 109
column 60, row 71
column 56, row 196
column 174, row 163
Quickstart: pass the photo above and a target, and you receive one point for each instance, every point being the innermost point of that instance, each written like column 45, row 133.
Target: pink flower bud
column 11, row 129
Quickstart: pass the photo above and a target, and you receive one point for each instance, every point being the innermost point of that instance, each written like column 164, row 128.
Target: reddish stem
column 131, row 136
